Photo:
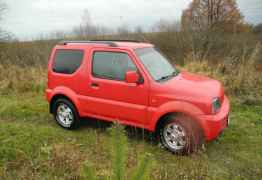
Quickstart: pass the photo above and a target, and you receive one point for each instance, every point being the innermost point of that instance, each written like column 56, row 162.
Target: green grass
column 33, row 146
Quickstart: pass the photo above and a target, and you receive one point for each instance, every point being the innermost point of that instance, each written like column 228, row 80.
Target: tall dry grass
column 26, row 54
column 241, row 79
column 14, row 79
column 235, row 59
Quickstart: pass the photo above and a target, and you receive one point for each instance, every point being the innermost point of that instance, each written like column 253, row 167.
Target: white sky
column 30, row 18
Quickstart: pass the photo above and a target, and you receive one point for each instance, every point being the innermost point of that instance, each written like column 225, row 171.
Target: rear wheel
column 180, row 134
column 66, row 114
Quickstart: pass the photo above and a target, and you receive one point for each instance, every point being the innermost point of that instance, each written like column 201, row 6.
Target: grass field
column 33, row 146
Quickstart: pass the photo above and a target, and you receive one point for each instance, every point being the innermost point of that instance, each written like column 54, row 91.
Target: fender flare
column 175, row 107
column 67, row 92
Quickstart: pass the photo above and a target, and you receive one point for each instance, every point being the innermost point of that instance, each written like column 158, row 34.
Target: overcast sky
column 29, row 18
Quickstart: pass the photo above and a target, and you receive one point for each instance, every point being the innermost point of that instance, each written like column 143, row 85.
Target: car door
column 109, row 95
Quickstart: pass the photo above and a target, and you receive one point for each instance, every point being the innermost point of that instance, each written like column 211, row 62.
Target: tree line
column 201, row 15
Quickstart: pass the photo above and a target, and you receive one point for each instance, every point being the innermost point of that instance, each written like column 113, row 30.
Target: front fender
column 174, row 107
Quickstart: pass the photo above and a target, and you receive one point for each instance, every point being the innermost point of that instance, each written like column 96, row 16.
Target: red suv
column 134, row 84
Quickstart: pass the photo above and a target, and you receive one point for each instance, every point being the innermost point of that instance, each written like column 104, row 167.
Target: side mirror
column 132, row 77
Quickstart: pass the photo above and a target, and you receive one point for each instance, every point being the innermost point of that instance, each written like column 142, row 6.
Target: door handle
column 94, row 84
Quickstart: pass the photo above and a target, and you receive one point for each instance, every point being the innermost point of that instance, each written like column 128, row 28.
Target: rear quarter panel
column 66, row 84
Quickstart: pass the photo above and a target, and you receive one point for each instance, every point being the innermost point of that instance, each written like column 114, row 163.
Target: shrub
column 119, row 156
column 240, row 78
column 20, row 80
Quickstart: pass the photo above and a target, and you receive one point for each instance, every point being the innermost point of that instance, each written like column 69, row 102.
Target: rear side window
column 67, row 61
column 112, row 65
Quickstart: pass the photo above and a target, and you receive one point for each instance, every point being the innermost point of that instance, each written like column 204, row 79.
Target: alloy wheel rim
column 175, row 136
column 64, row 115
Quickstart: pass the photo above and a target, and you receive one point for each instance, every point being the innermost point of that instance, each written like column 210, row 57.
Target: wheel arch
column 163, row 118
column 55, row 98
column 175, row 108
column 63, row 92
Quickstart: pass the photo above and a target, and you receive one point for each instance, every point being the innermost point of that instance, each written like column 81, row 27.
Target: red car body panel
column 140, row 105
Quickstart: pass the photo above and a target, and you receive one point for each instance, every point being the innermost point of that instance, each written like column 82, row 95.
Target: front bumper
column 213, row 125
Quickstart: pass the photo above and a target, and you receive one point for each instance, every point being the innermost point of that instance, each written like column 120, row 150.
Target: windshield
column 156, row 64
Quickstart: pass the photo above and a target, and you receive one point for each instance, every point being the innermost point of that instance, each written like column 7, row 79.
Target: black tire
column 75, row 123
column 193, row 135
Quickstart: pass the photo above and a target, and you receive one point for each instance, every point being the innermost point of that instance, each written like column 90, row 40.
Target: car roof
column 107, row 43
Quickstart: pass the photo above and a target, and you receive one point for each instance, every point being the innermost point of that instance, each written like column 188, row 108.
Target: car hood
column 198, row 85
column 196, row 89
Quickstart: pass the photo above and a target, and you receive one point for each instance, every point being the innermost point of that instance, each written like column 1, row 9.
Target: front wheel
column 180, row 134
column 66, row 114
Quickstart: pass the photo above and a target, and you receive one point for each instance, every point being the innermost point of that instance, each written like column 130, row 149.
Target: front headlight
column 216, row 105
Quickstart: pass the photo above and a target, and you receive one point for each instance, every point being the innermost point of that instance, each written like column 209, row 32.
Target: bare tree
column 3, row 34
column 123, row 30
column 2, row 8
column 212, row 14
column 138, row 30
column 166, row 26
column 258, row 29
column 58, row 35
column 86, row 28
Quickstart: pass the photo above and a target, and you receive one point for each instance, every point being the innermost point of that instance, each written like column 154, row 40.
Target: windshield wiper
column 175, row 73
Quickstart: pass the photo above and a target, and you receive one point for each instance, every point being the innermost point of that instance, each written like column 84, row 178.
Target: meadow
column 33, row 146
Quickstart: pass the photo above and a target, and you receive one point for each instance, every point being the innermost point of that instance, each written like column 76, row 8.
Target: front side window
column 67, row 61
column 112, row 65
column 156, row 64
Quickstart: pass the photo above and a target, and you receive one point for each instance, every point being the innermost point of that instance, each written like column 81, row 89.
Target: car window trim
column 66, row 74
column 108, row 78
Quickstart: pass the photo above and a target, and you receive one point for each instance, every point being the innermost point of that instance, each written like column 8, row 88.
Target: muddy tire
column 181, row 135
